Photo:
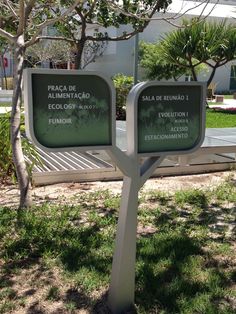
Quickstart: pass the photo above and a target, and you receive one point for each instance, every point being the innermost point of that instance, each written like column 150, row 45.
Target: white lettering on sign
column 178, row 97
column 179, row 129
column 69, row 95
column 148, row 98
column 87, row 107
column 173, row 114
column 61, row 106
column 61, row 88
column 165, row 136
column 59, row 121
column 175, row 97
column 181, row 121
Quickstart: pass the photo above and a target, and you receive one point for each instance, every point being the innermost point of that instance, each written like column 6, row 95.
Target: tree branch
column 55, row 38
column 106, row 37
column 217, row 63
column 29, row 8
column 46, row 23
column 7, row 35
column 91, row 9
column 9, row 6
column 21, row 17
column 169, row 19
column 83, row 23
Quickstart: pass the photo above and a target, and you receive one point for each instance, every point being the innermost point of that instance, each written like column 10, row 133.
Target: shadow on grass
column 76, row 299
column 174, row 273
column 73, row 301
column 82, row 251
column 156, row 283
column 170, row 268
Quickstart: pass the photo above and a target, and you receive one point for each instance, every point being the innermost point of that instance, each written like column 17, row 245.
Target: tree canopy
column 21, row 24
column 156, row 67
column 92, row 19
column 200, row 42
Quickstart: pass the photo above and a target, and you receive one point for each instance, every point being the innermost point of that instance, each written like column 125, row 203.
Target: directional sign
column 69, row 109
column 74, row 109
column 169, row 118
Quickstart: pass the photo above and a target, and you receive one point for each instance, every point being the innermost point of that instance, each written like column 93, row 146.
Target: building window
column 233, row 78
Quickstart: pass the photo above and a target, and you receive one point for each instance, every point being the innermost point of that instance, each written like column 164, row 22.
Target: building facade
column 120, row 56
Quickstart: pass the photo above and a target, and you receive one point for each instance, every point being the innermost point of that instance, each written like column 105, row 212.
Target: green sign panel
column 169, row 118
column 68, row 109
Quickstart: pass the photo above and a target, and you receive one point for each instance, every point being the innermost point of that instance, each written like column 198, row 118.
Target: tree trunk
column 3, row 76
column 1, row 66
column 79, row 54
column 211, row 75
column 18, row 157
column 194, row 75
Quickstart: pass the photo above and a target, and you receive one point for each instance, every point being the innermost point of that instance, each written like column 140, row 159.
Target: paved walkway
column 228, row 105
column 5, row 109
column 214, row 137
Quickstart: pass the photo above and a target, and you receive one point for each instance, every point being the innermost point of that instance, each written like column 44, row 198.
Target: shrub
column 123, row 85
column 7, row 168
column 6, row 163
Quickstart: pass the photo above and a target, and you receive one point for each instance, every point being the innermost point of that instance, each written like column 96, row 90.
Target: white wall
column 121, row 59
column 9, row 68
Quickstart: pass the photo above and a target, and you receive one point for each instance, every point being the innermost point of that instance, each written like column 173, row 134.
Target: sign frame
column 28, row 106
column 122, row 286
column 132, row 118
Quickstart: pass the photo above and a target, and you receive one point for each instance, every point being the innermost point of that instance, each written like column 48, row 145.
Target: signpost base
column 122, row 287
column 121, row 294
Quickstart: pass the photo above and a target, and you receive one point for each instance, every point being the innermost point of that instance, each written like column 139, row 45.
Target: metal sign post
column 68, row 110
column 162, row 119
column 122, row 287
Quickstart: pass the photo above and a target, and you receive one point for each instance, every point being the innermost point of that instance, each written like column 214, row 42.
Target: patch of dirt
column 32, row 290
column 63, row 192
column 37, row 288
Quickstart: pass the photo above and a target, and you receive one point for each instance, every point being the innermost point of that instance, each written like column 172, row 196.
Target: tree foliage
column 123, row 85
column 51, row 51
column 200, row 42
column 21, row 24
column 156, row 67
column 92, row 19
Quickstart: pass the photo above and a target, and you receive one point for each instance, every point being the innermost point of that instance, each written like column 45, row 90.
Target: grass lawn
column 216, row 119
column 228, row 96
column 3, row 104
column 58, row 257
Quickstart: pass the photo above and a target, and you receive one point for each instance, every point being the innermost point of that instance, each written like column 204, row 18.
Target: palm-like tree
column 156, row 67
column 197, row 43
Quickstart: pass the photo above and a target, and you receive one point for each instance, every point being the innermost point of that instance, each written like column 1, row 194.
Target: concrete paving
column 228, row 105
column 5, row 109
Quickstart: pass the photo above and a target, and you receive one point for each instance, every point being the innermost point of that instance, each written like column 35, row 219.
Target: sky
column 219, row 10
